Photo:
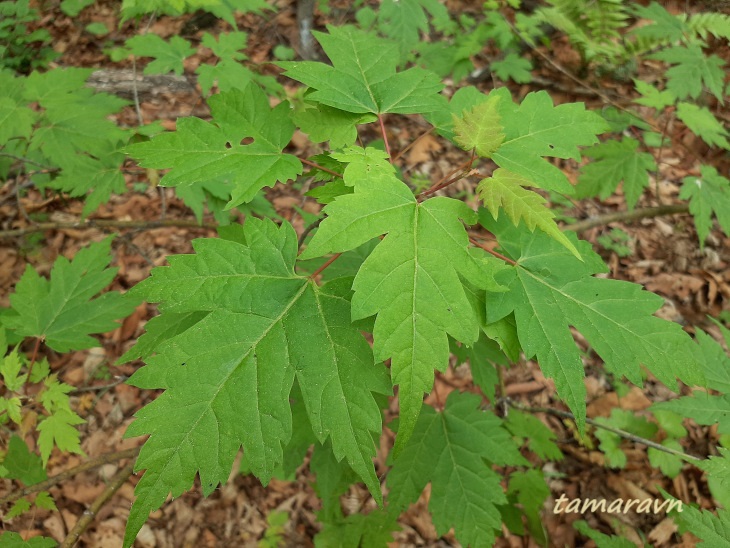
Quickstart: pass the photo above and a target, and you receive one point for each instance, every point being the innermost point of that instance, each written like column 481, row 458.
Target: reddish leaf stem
column 385, row 138
column 449, row 178
column 33, row 358
column 325, row 265
column 319, row 167
column 492, row 252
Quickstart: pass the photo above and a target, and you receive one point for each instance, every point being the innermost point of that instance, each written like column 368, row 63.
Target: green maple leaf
column 652, row 97
column 228, row 378
column 702, row 408
column 15, row 120
column 22, row 464
column 707, row 195
column 550, row 290
column 692, row 70
column 202, row 151
column 229, row 73
column 718, row 468
column 168, row 54
column 602, row 540
column 411, row 279
column 540, row 438
column 62, row 310
column 713, row 530
column 535, row 129
column 513, row 67
column 450, row 450
column 404, row 20
column 703, row 123
column 480, row 128
column 95, row 179
column 374, row 529
column 322, row 123
column 58, row 430
column 14, row 540
column 363, row 77
column 505, row 190
column 75, row 120
column 664, row 27
column 616, row 161
column 717, row 362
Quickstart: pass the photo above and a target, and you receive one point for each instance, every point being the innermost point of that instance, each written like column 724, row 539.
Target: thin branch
column 101, row 460
column 451, row 177
column 98, row 388
column 385, row 138
column 492, row 252
column 46, row 168
column 319, row 167
column 90, row 513
column 644, row 213
column 105, row 223
column 412, row 143
column 307, row 230
column 331, row 260
column 623, row 433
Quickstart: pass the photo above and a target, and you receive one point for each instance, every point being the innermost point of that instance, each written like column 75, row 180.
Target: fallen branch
column 101, row 460
column 90, row 513
column 644, row 213
column 622, row 433
column 105, row 223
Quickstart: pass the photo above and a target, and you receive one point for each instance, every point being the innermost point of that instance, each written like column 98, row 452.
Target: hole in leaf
column 228, row 145
column 247, row 140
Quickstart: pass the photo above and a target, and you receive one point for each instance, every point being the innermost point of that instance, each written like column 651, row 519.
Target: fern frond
column 605, row 18
column 716, row 24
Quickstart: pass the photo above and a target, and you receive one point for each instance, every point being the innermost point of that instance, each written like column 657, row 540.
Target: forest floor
column 664, row 256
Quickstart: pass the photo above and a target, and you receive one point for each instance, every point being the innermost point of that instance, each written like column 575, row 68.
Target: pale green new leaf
column 453, row 450
column 550, row 291
column 202, row 151
column 10, row 367
column 536, row 128
column 363, row 77
column 62, row 310
column 505, row 189
column 169, row 54
column 228, row 378
column 616, row 161
column 480, row 129
column 704, row 124
column 443, row 118
column 707, row 195
column 411, row 279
